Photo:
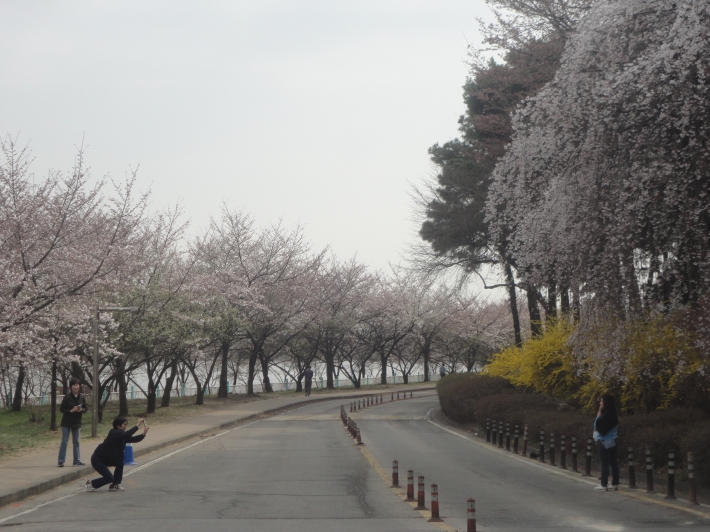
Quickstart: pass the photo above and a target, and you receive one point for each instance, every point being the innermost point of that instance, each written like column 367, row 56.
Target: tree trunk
column 200, row 398
column 552, row 300
column 250, row 377
column 222, row 392
column 17, row 399
column 165, row 401
column 513, row 303
column 265, row 375
column 299, row 385
column 425, row 355
column 564, row 301
column 330, row 370
column 102, row 404
column 122, row 390
column 76, row 371
column 534, row 311
column 53, row 398
column 405, row 377
column 576, row 303
column 151, row 394
column 633, row 293
column 383, row 365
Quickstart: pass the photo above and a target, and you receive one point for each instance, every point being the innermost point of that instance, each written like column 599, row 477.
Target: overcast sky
column 319, row 112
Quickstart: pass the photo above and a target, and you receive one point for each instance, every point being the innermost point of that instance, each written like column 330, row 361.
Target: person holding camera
column 72, row 407
column 110, row 454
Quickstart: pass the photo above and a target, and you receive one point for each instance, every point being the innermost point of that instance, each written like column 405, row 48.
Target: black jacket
column 110, row 452
column 72, row 419
column 607, row 421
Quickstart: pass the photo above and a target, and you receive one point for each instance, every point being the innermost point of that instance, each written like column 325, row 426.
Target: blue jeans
column 609, row 457
column 65, row 441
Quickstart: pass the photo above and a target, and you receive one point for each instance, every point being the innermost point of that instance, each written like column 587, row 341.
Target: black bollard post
column 692, row 493
column 574, row 453
column 670, row 493
column 649, row 472
column 500, row 434
column 552, row 448
column 488, row 429
column 588, row 461
column 494, row 429
column 632, row 469
column 525, row 441
column 507, row 436
column 542, row 446
column 563, row 452
column 515, row 439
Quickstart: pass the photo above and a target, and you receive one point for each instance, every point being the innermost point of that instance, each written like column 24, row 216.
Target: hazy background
column 320, row 112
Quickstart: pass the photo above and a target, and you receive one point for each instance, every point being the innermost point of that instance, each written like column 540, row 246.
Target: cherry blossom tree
column 60, row 238
column 604, row 187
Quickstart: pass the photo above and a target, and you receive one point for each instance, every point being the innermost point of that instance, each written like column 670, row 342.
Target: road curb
column 81, row 472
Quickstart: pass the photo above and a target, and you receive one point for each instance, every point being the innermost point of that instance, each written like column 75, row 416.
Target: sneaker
column 89, row 487
column 601, row 488
column 614, row 487
column 79, row 463
column 116, row 487
column 60, row 465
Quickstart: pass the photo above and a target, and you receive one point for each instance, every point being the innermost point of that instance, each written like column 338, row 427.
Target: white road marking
column 134, row 470
column 567, row 474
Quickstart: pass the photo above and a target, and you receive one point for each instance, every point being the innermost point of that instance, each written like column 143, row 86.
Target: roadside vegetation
column 579, row 184
column 470, row 399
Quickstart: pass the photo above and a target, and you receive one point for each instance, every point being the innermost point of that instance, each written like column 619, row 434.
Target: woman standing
column 72, row 407
column 110, row 453
column 605, row 433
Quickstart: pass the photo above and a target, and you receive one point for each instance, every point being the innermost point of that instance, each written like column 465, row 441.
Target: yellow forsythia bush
column 544, row 364
column 660, row 365
column 648, row 364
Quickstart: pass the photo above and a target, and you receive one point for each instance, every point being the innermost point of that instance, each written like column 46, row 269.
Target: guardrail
column 181, row 390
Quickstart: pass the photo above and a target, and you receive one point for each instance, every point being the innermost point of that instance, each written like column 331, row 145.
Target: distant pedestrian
column 442, row 371
column 110, row 453
column 72, row 407
column 606, row 427
column 308, row 375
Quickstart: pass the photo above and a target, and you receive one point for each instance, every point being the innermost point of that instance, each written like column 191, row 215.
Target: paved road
column 511, row 493
column 300, row 472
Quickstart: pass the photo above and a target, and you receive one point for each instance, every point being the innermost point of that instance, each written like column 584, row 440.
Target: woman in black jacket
column 110, row 453
column 72, row 407
column 606, row 426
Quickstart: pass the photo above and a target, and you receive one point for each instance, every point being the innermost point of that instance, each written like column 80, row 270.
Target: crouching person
column 110, row 453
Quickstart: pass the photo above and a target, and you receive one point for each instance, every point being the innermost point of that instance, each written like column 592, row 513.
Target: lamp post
column 96, row 394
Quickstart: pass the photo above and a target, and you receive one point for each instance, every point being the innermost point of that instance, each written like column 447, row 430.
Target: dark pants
column 608, row 457
column 102, row 469
column 308, row 386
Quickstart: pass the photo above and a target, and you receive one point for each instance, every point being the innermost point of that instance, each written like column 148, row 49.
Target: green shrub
column 471, row 398
column 459, row 392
